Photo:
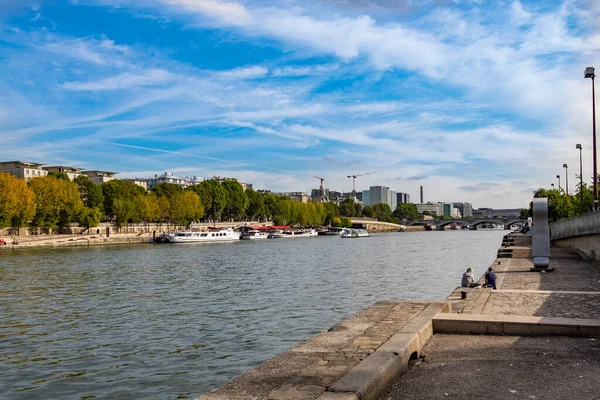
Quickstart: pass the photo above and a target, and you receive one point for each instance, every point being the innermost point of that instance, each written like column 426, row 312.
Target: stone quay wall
column 581, row 234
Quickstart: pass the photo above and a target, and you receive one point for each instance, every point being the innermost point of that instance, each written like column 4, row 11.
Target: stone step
column 515, row 325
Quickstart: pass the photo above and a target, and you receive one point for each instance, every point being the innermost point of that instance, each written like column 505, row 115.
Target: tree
column 406, row 211
column 17, row 202
column 89, row 217
column 237, row 200
column 117, row 189
column 345, row 222
column 350, row 208
column 383, row 212
column 426, row 212
column 368, row 212
column 332, row 211
column 123, row 210
column 256, row 205
column 213, row 196
column 167, row 189
column 59, row 175
column 90, row 193
column 524, row 214
column 57, row 202
column 186, row 207
column 148, row 207
column 336, row 222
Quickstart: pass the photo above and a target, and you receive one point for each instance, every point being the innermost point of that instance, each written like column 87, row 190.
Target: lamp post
column 566, row 178
column 578, row 146
column 589, row 73
column 552, row 184
column 559, row 188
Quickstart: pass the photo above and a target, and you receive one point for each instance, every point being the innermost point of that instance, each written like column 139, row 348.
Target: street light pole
column 552, row 184
column 589, row 73
column 578, row 146
column 566, row 178
column 559, row 188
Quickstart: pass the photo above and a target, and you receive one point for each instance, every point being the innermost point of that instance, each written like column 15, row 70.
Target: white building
column 139, row 182
column 71, row 172
column 99, row 177
column 23, row 169
column 167, row 177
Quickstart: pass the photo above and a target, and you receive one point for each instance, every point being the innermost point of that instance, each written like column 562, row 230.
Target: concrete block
column 517, row 329
column 338, row 396
column 373, row 376
column 403, row 344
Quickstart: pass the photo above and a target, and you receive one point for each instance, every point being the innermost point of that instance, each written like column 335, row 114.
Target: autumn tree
column 57, row 202
column 186, row 207
column 17, row 202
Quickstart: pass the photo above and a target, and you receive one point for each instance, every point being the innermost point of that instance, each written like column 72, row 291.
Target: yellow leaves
column 17, row 202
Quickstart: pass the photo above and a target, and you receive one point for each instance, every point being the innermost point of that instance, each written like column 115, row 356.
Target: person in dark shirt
column 490, row 278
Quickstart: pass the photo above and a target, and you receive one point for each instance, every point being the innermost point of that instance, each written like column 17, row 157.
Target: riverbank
column 365, row 355
column 46, row 241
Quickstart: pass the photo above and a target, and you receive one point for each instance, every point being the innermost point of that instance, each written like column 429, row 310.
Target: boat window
column 212, row 234
column 204, row 234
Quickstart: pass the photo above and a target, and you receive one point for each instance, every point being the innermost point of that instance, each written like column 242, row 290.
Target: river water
column 175, row 321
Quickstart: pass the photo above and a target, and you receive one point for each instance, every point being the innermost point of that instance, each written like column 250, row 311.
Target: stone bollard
column 540, row 234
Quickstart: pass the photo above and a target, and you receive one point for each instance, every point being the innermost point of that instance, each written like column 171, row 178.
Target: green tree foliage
column 59, row 175
column 167, row 190
column 186, row 207
column 213, row 196
column 336, row 222
column 236, row 202
column 124, row 191
column 57, row 202
column 148, row 207
column 559, row 205
column 89, row 217
column 406, row 211
column 368, row 212
column 17, row 202
column 346, row 223
column 350, row 208
column 90, row 193
column 383, row 212
column 257, row 209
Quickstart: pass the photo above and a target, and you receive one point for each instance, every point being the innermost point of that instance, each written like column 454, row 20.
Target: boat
column 331, row 231
column 254, row 234
column 355, row 233
column 288, row 233
column 194, row 236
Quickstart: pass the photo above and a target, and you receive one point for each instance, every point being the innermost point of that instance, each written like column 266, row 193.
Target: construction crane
column 354, row 179
column 321, row 179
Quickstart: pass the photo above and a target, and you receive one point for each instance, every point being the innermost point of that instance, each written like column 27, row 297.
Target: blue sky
column 479, row 101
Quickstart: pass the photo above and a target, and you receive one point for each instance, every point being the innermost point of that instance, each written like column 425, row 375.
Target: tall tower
column 421, row 194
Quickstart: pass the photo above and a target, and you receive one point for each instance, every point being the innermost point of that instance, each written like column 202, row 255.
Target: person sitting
column 490, row 278
column 468, row 280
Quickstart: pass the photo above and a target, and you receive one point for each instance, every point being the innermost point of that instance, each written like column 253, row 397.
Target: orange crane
column 321, row 179
column 356, row 176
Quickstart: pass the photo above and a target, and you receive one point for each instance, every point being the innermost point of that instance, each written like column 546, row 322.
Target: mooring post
column 540, row 234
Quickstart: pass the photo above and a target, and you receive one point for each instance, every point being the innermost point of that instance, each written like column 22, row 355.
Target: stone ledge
column 515, row 325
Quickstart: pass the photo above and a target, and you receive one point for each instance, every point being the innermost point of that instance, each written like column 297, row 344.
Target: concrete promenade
column 533, row 338
column 536, row 337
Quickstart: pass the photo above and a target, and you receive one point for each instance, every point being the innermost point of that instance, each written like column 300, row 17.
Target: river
column 175, row 321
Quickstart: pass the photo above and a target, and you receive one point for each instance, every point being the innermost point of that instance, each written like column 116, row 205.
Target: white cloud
column 243, row 73
column 230, row 13
column 123, row 81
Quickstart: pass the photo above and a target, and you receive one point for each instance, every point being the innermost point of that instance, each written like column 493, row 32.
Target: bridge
column 472, row 223
column 372, row 225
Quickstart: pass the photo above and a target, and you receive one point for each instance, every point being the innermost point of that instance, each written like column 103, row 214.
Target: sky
column 477, row 101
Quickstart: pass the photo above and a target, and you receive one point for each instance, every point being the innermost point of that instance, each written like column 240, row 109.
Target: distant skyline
column 478, row 101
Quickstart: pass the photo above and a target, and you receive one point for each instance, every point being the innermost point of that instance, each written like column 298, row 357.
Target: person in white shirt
column 468, row 280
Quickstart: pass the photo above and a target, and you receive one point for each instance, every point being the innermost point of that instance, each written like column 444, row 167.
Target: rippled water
column 175, row 321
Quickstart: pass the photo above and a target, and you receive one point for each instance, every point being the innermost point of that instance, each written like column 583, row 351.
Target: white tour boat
column 253, row 234
column 355, row 233
column 221, row 235
column 292, row 234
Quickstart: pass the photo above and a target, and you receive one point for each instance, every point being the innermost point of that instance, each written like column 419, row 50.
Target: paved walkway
column 519, row 367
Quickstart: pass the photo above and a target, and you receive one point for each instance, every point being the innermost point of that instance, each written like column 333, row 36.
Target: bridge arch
column 445, row 223
column 498, row 222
